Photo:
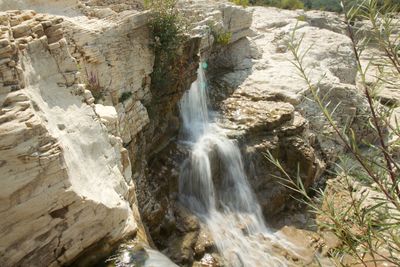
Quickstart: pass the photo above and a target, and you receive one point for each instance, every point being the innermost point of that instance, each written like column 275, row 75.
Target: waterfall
column 225, row 204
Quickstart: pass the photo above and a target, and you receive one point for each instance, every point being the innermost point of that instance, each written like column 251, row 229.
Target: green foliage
column 363, row 10
column 335, row 5
column 301, row 18
column 221, row 36
column 291, row 4
column 326, row 5
column 168, row 29
column 243, row 3
column 125, row 96
column 285, row 4
column 166, row 25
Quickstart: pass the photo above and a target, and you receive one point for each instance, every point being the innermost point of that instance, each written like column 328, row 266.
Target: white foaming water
column 158, row 259
column 225, row 204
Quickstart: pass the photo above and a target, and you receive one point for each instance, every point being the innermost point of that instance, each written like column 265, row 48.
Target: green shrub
column 223, row 38
column 291, row 4
column 285, row 4
column 168, row 29
column 166, row 25
column 301, row 18
column 125, row 96
column 243, row 3
column 327, row 5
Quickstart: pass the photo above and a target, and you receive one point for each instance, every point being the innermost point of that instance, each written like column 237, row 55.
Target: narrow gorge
column 115, row 154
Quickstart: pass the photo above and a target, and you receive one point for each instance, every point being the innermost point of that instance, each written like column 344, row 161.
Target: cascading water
column 230, row 210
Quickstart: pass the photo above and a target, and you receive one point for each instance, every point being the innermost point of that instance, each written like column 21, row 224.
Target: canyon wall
column 55, row 199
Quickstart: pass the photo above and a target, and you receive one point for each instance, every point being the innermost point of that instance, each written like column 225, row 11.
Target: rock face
column 265, row 103
column 77, row 108
column 263, row 126
column 55, row 199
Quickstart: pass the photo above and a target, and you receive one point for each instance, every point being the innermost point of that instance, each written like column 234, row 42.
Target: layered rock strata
column 55, row 199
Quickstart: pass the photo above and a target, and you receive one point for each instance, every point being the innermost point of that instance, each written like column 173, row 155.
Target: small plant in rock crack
column 125, row 96
column 361, row 206
column 221, row 36
column 301, row 18
column 93, row 85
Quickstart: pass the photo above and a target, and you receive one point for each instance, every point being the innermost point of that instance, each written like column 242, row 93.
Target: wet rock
column 256, row 116
column 262, row 126
column 209, row 260
column 180, row 248
column 186, row 221
column 204, row 243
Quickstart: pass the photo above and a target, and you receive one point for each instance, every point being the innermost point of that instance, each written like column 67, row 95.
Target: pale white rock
column 237, row 21
column 65, row 186
column 109, row 117
column 219, row 16
column 378, row 66
column 326, row 20
column 106, row 112
column 87, row 94
column 261, row 67
column 119, row 60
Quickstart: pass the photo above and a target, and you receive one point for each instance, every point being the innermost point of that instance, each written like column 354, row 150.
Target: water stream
column 222, row 197
column 214, row 186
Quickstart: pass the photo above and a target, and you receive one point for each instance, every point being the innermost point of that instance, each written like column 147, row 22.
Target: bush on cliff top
column 166, row 25
column 243, row 3
column 285, row 4
column 168, row 28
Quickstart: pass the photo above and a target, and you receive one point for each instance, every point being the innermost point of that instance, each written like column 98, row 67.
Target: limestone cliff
column 55, row 199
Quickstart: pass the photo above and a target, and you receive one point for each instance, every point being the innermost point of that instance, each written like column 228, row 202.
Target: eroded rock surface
column 62, row 189
column 266, row 104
